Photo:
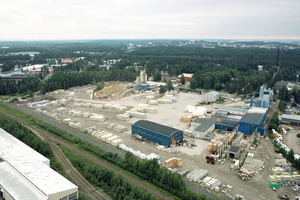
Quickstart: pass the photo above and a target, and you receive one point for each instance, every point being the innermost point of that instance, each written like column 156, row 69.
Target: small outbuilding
column 211, row 96
column 234, row 152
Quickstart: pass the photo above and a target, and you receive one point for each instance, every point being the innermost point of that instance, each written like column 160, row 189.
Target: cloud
column 91, row 19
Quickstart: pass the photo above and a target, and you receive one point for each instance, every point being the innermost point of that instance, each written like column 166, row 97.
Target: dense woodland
column 231, row 69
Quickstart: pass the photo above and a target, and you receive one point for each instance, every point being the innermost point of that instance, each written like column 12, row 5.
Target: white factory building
column 26, row 174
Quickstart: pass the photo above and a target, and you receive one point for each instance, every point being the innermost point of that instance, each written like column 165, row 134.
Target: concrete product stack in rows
column 140, row 154
column 54, row 116
column 104, row 136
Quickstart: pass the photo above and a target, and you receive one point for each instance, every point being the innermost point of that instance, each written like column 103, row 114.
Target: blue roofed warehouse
column 156, row 132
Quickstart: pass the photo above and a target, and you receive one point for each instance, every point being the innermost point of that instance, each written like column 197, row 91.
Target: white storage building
column 26, row 175
column 211, row 96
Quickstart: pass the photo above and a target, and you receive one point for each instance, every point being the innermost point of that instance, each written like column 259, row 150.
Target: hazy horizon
column 165, row 19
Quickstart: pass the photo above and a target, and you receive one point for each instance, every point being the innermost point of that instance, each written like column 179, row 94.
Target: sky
column 149, row 19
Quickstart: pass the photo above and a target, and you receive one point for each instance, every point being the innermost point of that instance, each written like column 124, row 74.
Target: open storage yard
column 101, row 114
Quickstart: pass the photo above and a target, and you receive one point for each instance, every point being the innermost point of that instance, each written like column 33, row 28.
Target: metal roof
column 234, row 149
column 32, row 166
column 291, row 117
column 159, row 128
column 279, row 84
column 254, row 115
column 205, row 124
column 214, row 93
column 243, row 110
column 16, row 185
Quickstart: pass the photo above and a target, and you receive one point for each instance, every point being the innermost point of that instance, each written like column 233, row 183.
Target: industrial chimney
column 277, row 58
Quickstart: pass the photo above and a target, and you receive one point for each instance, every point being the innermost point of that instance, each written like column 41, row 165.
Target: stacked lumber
column 172, row 162
column 245, row 174
column 188, row 118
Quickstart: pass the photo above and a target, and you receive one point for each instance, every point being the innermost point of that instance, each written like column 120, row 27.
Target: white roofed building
column 26, row 174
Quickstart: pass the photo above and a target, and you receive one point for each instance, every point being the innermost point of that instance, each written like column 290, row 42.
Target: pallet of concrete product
column 85, row 114
column 105, row 124
column 60, row 110
column 120, row 128
column 77, row 114
column 165, row 101
column 142, row 105
column 75, row 125
column 114, row 107
column 54, row 103
column 111, row 125
column 98, row 135
column 279, row 156
column 150, row 110
column 279, row 161
column 87, row 105
column 150, row 97
column 139, row 109
column 103, row 137
column 98, row 106
column 98, row 118
column 113, row 137
column 67, row 121
column 173, row 162
column 134, row 114
column 123, row 117
column 107, row 106
column 153, row 102
column 117, row 142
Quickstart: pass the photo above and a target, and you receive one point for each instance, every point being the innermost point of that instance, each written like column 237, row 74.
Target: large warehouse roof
column 16, row 185
column 13, row 149
column 254, row 115
column 159, row 128
column 28, row 169
column 291, row 117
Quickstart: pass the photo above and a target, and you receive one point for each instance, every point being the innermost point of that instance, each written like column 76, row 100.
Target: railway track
column 52, row 140
column 69, row 168
column 85, row 185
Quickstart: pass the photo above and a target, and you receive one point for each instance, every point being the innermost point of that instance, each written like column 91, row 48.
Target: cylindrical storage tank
column 191, row 173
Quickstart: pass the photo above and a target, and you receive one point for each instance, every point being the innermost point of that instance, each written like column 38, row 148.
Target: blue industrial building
column 254, row 120
column 265, row 98
column 156, row 132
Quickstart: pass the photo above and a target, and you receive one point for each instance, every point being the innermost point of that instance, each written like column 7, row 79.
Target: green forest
column 232, row 69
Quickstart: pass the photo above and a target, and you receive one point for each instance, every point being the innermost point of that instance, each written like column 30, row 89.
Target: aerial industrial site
column 216, row 142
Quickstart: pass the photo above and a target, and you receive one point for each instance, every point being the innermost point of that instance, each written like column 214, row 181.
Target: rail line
column 51, row 140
